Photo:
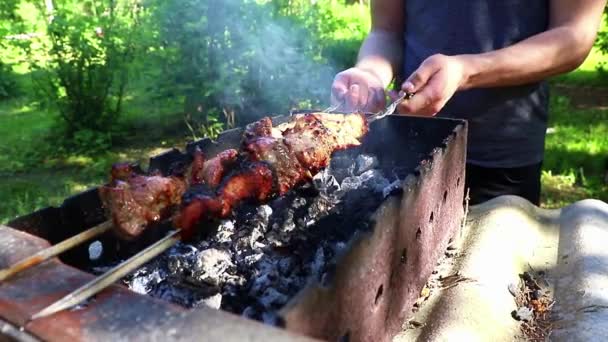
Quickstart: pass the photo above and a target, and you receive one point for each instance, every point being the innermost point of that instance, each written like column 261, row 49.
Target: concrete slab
column 504, row 238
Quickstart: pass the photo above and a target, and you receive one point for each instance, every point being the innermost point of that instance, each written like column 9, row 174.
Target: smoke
column 248, row 56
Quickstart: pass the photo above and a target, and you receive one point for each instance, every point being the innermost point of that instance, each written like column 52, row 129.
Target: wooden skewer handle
column 55, row 250
column 100, row 283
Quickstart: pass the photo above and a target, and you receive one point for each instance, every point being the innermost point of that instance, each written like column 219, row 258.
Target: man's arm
column 563, row 47
column 379, row 57
column 382, row 50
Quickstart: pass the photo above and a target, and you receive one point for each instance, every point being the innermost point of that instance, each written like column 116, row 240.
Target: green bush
column 9, row 87
column 83, row 67
column 602, row 40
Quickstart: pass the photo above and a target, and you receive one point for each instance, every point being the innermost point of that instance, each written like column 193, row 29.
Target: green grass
column 576, row 154
column 576, row 148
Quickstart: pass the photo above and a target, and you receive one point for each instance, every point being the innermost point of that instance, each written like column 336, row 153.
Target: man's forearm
column 381, row 54
column 547, row 54
column 562, row 48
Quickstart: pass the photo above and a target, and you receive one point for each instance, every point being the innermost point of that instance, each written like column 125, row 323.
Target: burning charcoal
column 250, row 312
column 298, row 202
column 374, row 180
column 260, row 284
column 225, row 231
column 272, row 298
column 338, row 247
column 212, row 263
column 252, row 259
column 143, row 280
column 182, row 293
column 286, row 265
column 214, row 301
column 318, row 262
column 391, row 188
column 350, row 183
column 257, row 226
column 264, row 211
column 326, row 183
column 272, row 318
column 181, row 260
column 342, row 167
column 364, row 163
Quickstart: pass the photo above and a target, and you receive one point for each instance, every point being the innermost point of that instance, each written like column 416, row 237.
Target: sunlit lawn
column 576, row 157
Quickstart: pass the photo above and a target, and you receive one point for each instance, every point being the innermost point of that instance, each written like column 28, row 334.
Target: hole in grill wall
column 95, row 250
column 379, row 294
column 431, row 217
column 445, row 196
column 404, row 256
column 418, row 234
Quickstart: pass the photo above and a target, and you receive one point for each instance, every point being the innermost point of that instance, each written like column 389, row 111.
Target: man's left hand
column 434, row 82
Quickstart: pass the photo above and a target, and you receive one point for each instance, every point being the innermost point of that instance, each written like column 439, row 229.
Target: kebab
column 272, row 161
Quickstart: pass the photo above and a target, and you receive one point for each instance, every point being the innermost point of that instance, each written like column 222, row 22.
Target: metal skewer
column 391, row 108
column 55, row 250
column 100, row 283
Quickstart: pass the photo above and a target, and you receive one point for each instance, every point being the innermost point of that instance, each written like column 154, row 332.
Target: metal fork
column 391, row 108
column 333, row 108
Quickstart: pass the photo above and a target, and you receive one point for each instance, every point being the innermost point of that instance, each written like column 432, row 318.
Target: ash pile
column 253, row 264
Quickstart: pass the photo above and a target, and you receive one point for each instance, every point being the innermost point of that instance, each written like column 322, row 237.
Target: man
column 481, row 60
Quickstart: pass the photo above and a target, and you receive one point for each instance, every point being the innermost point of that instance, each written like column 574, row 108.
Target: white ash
column 255, row 263
column 365, row 162
column 392, row 187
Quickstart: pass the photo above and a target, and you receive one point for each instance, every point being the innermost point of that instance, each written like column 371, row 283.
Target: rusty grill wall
column 376, row 281
column 379, row 279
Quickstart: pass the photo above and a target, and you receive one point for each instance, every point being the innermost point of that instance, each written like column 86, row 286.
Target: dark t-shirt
column 506, row 125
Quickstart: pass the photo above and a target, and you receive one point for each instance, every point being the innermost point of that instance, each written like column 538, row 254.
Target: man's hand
column 434, row 82
column 357, row 89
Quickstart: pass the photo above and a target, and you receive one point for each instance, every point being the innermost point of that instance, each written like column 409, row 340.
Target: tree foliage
column 602, row 36
column 85, row 69
column 226, row 61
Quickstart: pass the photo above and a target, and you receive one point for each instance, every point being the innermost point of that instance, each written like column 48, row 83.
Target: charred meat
column 272, row 161
column 135, row 201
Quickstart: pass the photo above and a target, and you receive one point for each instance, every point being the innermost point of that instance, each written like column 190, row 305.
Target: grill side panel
column 380, row 277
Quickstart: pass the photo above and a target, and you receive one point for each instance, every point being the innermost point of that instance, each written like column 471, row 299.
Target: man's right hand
column 357, row 89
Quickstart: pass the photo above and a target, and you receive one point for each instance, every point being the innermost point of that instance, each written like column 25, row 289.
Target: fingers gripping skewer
column 55, row 250
column 100, row 283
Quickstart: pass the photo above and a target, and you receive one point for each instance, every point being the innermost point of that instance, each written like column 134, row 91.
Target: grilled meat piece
column 122, row 171
column 211, row 171
column 218, row 166
column 288, row 170
column 139, row 200
column 254, row 181
column 135, row 201
column 196, row 168
column 273, row 161
column 251, row 182
column 199, row 201
column 285, row 155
